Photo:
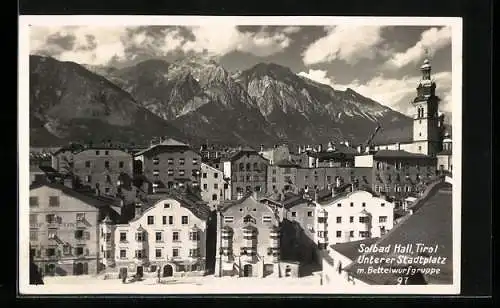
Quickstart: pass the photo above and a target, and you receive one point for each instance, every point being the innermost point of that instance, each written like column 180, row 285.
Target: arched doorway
column 247, row 270
column 78, row 268
column 168, row 271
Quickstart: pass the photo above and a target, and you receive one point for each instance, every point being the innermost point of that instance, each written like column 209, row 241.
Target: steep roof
column 196, row 206
column 102, row 203
column 290, row 200
column 243, row 151
column 168, row 143
column 430, row 225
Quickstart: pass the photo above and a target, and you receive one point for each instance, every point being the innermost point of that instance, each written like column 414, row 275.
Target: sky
column 380, row 62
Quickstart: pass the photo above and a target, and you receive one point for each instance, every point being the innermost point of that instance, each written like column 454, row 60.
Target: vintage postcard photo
column 231, row 155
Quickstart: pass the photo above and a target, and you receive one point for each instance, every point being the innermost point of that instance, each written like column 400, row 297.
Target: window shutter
column 76, row 234
column 86, row 251
column 47, row 218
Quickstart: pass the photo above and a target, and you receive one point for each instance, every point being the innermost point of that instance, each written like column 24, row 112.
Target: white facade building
column 213, row 188
column 353, row 216
column 169, row 237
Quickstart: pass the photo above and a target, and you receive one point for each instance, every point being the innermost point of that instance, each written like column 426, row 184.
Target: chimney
column 367, row 149
column 262, row 148
column 320, row 148
column 68, row 182
column 138, row 209
column 330, row 147
column 333, row 191
column 360, row 149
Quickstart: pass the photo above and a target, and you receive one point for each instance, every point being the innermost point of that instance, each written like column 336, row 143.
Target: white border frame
column 23, row 150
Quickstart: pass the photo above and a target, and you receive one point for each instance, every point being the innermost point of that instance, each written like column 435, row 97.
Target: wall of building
column 444, row 162
column 253, row 175
column 161, row 211
column 363, row 161
column 170, row 166
column 212, row 185
column 65, row 226
column 233, row 217
column 89, row 166
column 227, row 170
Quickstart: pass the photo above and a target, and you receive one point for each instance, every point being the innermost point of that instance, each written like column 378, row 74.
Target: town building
column 276, row 153
column 286, row 176
column 297, row 220
column 248, row 241
column 105, row 169
column 64, row 223
column 350, row 216
column 344, row 264
column 166, row 235
column 398, row 174
column 214, row 187
column 426, row 135
column 247, row 171
column 168, row 165
column 335, row 155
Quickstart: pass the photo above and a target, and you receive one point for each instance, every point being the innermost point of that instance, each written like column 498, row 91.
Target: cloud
column 398, row 93
column 291, row 29
column 87, row 45
column 220, row 40
column 345, row 42
column 432, row 39
column 318, row 76
column 100, row 45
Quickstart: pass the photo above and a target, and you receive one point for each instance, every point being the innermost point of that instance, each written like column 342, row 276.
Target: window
column 156, row 172
column 80, row 217
column 158, row 253
column 170, row 172
column 67, row 249
column 363, row 219
column 322, row 234
column 156, row 161
column 194, row 236
column 106, row 190
column 352, row 204
column 248, row 219
column 87, row 164
column 139, row 254
column 294, row 214
column 88, row 179
column 33, row 236
column 420, row 148
column 351, row 233
column 106, row 164
column 33, row 218
column 181, row 161
column 195, row 161
column 339, row 219
column 175, row 252
column 123, row 254
column 363, row 204
column 164, row 220
column 158, row 237
column 228, row 219
column 339, row 204
column 216, row 186
column 184, row 220
column 33, row 201
column 309, row 214
column 170, row 220
column 351, row 219
column 123, row 236
column 79, row 235
column 166, row 205
column 79, row 251
column 175, row 236
column 216, row 175
column 120, row 164
column 377, row 188
column 151, row 220
column 364, row 234
column 53, row 201
column 382, row 204
column 194, row 252
column 382, row 219
column 205, row 186
column 214, row 197
column 97, row 152
column 139, row 236
column 266, row 219
column 182, row 172
column 338, row 233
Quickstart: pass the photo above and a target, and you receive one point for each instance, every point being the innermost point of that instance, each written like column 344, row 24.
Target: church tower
column 426, row 121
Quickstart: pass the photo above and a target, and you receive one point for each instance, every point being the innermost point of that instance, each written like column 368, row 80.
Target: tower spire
column 426, row 67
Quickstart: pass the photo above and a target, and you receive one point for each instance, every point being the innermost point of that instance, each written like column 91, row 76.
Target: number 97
column 402, row 280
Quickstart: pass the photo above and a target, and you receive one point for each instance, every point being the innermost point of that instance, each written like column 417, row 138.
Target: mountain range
column 196, row 100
